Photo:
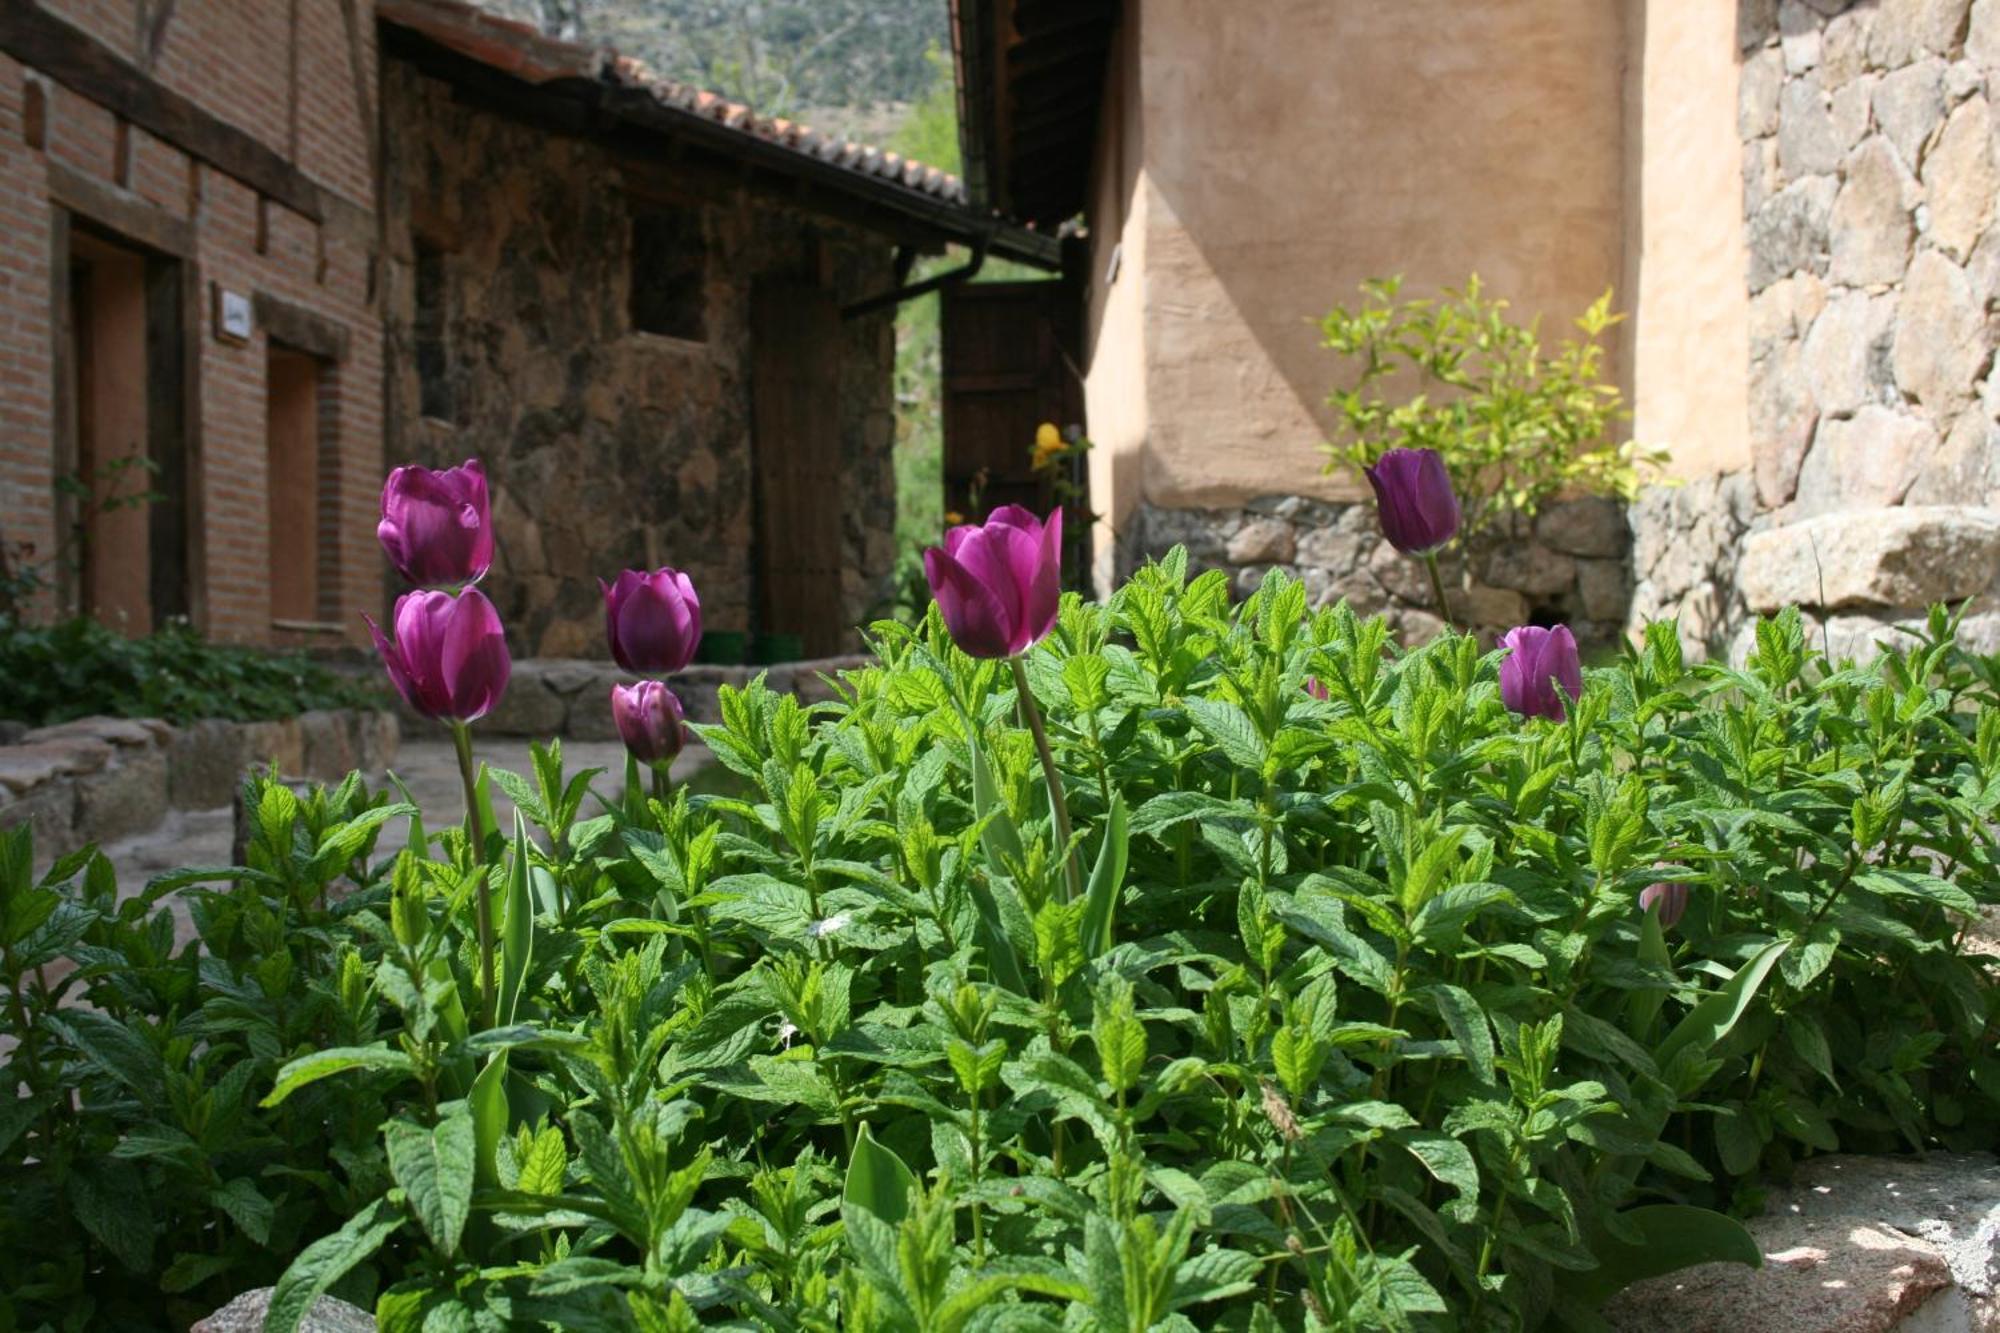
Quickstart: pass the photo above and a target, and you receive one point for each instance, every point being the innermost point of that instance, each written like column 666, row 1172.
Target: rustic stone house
column 1795, row 199
column 251, row 253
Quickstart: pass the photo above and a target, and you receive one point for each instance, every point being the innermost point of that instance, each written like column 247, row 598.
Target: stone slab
column 126, row 797
column 1820, row 1275
column 24, row 767
column 1908, row 556
column 246, row 1313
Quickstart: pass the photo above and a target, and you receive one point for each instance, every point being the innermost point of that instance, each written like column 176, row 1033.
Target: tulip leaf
column 1644, row 1005
column 998, row 834
column 517, row 926
column 877, row 1180
column 1710, row 1021
column 419, row 840
column 489, row 1119
column 1003, row 850
column 1107, row 879
column 1672, row 1237
column 635, row 792
column 482, row 792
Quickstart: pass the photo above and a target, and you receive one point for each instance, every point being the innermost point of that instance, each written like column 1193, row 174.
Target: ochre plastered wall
column 1115, row 388
column 1292, row 150
column 1687, row 340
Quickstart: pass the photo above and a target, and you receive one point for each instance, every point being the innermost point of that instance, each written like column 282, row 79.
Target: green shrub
column 1517, row 424
column 79, row 667
column 1357, row 1023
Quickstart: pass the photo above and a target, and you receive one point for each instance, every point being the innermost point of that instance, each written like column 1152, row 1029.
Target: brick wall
column 283, row 71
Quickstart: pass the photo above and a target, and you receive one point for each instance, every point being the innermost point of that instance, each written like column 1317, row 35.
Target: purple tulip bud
column 1414, row 500
column 650, row 721
column 449, row 658
column 438, row 526
column 1540, row 668
column 998, row 584
column 1316, row 688
column 652, row 621
column 1671, row 899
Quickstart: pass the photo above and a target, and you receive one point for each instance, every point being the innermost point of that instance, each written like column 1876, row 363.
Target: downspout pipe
column 909, row 291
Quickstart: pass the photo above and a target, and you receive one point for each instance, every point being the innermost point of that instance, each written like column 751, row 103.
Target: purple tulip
column 1541, row 666
column 998, row 585
column 1671, row 899
column 650, row 721
column 438, row 526
column 1414, row 500
column 652, row 621
column 1316, row 688
column 449, row 658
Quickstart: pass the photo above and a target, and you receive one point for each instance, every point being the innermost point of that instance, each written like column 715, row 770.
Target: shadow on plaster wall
column 1441, row 140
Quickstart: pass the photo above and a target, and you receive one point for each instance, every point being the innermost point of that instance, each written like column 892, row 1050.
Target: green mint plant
column 1358, row 1022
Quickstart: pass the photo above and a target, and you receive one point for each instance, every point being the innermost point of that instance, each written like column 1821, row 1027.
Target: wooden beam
column 299, row 328
column 72, row 58
column 121, row 212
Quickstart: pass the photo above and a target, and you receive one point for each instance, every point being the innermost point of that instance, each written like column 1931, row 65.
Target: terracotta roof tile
column 523, row 51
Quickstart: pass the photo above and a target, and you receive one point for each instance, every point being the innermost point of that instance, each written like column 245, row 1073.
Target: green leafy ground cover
column 1354, row 1023
column 76, row 668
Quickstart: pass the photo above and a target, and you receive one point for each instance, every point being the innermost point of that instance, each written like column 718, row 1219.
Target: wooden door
column 795, row 436
column 1008, row 367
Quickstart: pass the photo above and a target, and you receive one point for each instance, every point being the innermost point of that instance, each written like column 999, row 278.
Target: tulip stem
column 1057, row 805
column 482, row 896
column 662, row 785
column 1437, row 588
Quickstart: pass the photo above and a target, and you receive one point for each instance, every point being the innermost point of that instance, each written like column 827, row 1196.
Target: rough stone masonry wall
column 607, row 447
column 1871, row 161
column 1569, row 566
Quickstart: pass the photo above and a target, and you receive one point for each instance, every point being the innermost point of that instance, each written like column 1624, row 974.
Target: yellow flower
column 1047, row 437
column 954, row 518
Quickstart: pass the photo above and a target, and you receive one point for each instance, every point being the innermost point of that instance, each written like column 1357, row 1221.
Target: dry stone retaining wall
column 1570, row 565
column 99, row 779
column 571, row 697
column 1871, row 166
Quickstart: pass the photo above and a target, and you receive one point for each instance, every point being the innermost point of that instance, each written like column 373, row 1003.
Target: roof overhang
column 1030, row 89
column 595, row 92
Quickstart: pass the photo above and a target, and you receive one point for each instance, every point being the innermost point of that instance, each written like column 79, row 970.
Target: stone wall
column 1871, row 162
column 1569, row 566
column 572, row 698
column 609, row 447
column 99, row 779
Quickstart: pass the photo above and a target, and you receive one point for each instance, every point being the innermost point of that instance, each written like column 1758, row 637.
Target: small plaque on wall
column 233, row 319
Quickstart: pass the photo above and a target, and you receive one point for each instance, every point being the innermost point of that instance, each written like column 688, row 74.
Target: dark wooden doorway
column 795, row 338
column 1009, row 366
column 121, row 456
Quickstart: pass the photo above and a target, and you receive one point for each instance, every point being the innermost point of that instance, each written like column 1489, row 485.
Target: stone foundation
column 571, row 697
column 1570, row 566
column 100, row 779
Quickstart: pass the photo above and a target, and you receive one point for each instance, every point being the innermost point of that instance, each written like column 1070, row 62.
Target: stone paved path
column 426, row 765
